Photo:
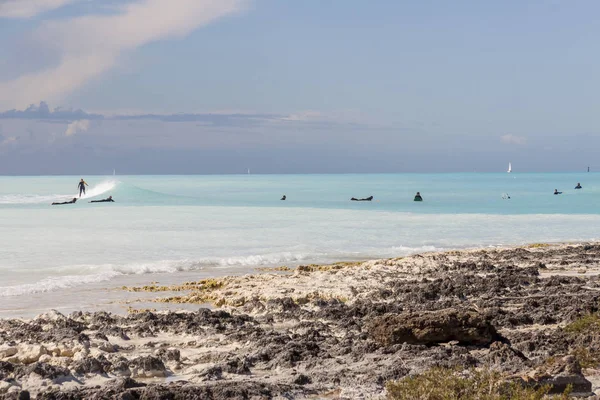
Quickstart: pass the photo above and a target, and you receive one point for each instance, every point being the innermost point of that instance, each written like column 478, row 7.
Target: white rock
column 7, row 351
column 4, row 386
column 45, row 358
column 31, row 353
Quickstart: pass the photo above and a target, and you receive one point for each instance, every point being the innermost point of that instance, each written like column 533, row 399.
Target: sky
column 311, row 86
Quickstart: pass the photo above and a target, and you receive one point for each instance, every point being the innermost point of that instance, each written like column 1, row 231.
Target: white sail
column 509, row 168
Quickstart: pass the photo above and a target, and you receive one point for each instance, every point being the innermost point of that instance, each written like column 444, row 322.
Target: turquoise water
column 171, row 227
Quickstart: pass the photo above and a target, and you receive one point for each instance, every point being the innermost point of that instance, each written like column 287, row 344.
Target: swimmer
column 66, row 202
column 365, row 199
column 283, row 198
column 107, row 200
column 418, row 197
column 557, row 192
column 578, row 186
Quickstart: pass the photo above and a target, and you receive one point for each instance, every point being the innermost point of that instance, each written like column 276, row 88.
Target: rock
column 43, row 370
column 90, row 365
column 302, row 380
column 4, row 386
column 431, row 327
column 559, row 374
column 147, row 367
column 213, row 373
column 168, row 355
column 31, row 353
column 7, row 351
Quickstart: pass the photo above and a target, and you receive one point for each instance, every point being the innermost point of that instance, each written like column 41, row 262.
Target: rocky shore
column 334, row 331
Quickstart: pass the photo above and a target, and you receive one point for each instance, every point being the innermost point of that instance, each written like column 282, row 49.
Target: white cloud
column 28, row 8
column 512, row 139
column 91, row 45
column 74, row 127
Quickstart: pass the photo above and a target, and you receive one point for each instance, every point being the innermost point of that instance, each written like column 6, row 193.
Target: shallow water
column 184, row 226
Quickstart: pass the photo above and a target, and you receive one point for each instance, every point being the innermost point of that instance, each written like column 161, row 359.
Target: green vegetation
column 587, row 358
column 452, row 384
column 537, row 245
column 587, row 324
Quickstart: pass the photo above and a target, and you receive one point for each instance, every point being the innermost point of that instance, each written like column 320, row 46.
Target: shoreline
column 327, row 331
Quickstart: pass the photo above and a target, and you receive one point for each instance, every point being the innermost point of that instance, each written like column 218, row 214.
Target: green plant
column 452, row 384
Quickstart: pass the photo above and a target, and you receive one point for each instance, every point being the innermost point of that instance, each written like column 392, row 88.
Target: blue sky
column 351, row 85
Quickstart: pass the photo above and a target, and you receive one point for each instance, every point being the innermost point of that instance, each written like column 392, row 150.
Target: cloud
column 77, row 127
column 28, row 8
column 43, row 112
column 512, row 139
column 91, row 45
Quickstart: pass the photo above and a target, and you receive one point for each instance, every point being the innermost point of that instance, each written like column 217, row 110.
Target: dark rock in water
column 44, row 370
column 213, row 373
column 238, row 366
column 168, row 354
column 90, row 365
column 560, row 374
column 466, row 327
column 147, row 367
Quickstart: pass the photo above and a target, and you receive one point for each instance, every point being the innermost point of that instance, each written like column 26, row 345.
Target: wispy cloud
column 28, row 8
column 513, row 139
column 77, row 127
column 91, row 45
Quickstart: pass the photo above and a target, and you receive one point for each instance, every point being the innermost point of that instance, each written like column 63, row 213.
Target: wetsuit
column 82, row 188
column 102, row 201
column 418, row 198
column 66, row 202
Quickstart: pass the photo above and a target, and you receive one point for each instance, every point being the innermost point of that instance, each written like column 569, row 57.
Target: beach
column 341, row 330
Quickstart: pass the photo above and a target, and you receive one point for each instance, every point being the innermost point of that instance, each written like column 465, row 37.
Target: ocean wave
column 67, row 278
column 55, row 283
column 93, row 191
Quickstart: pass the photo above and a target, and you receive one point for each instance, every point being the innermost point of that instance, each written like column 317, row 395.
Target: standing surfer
column 82, row 185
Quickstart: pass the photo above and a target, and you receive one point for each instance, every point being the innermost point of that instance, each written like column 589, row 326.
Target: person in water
column 82, row 185
column 66, row 202
column 365, row 199
column 418, row 197
column 283, row 198
column 557, row 192
column 109, row 199
column 578, row 186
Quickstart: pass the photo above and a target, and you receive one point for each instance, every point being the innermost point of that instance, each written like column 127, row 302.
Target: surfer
column 82, row 185
column 418, row 197
column 66, row 202
column 578, row 186
column 283, row 198
column 107, row 200
column 365, row 199
column 557, row 192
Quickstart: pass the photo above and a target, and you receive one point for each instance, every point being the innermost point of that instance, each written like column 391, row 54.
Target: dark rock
column 302, row 380
column 44, row 370
column 466, row 327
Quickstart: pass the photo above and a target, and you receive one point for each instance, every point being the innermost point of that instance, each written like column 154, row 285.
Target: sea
column 172, row 229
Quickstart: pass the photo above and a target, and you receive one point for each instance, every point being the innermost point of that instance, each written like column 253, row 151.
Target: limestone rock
column 559, row 374
column 431, row 327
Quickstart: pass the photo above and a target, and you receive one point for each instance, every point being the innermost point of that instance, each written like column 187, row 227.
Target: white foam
column 94, row 191
column 55, row 283
column 99, row 189
column 105, row 272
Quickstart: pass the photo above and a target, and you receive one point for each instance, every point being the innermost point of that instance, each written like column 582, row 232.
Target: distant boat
column 509, row 168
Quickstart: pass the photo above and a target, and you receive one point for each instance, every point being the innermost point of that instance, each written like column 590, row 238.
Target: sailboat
column 509, row 168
